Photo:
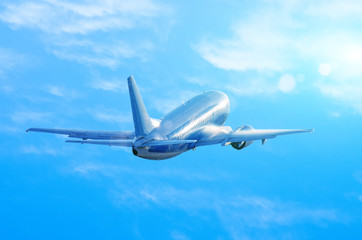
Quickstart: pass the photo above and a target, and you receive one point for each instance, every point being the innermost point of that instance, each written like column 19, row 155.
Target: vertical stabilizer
column 141, row 120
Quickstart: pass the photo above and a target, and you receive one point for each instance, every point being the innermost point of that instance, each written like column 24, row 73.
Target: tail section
column 142, row 122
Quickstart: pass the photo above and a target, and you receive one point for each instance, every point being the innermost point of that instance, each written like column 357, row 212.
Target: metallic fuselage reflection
column 188, row 121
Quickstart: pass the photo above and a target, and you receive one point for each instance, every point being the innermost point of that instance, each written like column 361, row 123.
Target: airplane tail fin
column 142, row 122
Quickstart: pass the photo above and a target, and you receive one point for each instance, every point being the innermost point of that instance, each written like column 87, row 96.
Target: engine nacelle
column 241, row 145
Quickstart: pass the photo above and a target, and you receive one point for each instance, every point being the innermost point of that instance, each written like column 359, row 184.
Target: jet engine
column 243, row 144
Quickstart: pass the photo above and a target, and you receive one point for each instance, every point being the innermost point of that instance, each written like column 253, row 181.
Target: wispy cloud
column 196, row 80
column 241, row 215
column 30, row 149
column 258, row 43
column 110, row 115
column 8, row 60
column 252, row 216
column 336, row 9
column 70, row 28
column 63, row 92
column 165, row 104
column 84, row 17
column 280, row 38
column 349, row 93
column 251, row 87
column 29, row 116
column 10, row 129
column 86, row 169
column 91, row 169
column 6, row 88
column 358, row 176
column 109, row 85
column 108, row 53
column 177, row 235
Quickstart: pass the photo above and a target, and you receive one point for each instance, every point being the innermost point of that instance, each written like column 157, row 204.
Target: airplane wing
column 87, row 134
column 248, row 133
column 110, row 138
column 128, row 143
column 260, row 134
column 119, row 143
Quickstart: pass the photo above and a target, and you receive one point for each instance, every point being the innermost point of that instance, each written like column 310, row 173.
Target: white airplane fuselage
column 193, row 119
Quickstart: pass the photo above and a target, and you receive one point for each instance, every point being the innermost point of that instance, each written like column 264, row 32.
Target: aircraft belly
column 169, row 148
column 161, row 154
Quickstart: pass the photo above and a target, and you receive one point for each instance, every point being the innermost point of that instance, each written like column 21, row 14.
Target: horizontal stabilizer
column 166, row 142
column 87, row 134
column 120, row 143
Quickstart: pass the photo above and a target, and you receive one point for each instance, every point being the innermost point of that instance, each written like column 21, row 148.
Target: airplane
column 195, row 123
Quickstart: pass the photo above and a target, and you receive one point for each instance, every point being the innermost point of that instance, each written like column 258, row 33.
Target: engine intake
column 241, row 145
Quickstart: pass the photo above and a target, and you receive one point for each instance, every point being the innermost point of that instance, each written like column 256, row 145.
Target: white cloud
column 241, row 215
column 6, row 88
column 29, row 116
column 10, row 129
column 38, row 151
column 56, row 90
column 177, row 235
column 251, row 87
column 8, row 60
column 115, row 171
column 286, row 83
column 336, row 9
column 325, row 69
column 343, row 52
column 97, row 32
column 90, row 169
column 358, row 176
column 108, row 53
column 164, row 104
column 334, row 114
column 109, row 85
column 284, row 37
column 349, row 93
column 62, row 92
column 54, row 16
column 149, row 196
column 196, row 80
column 245, row 86
column 112, row 116
column 257, row 43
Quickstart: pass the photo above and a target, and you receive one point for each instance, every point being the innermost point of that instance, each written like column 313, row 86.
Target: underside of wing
column 87, row 134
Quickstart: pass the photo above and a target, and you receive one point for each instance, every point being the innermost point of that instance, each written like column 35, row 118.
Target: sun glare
column 286, row 83
column 325, row 69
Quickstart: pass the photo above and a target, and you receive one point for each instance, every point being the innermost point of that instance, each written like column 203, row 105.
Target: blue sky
column 283, row 64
